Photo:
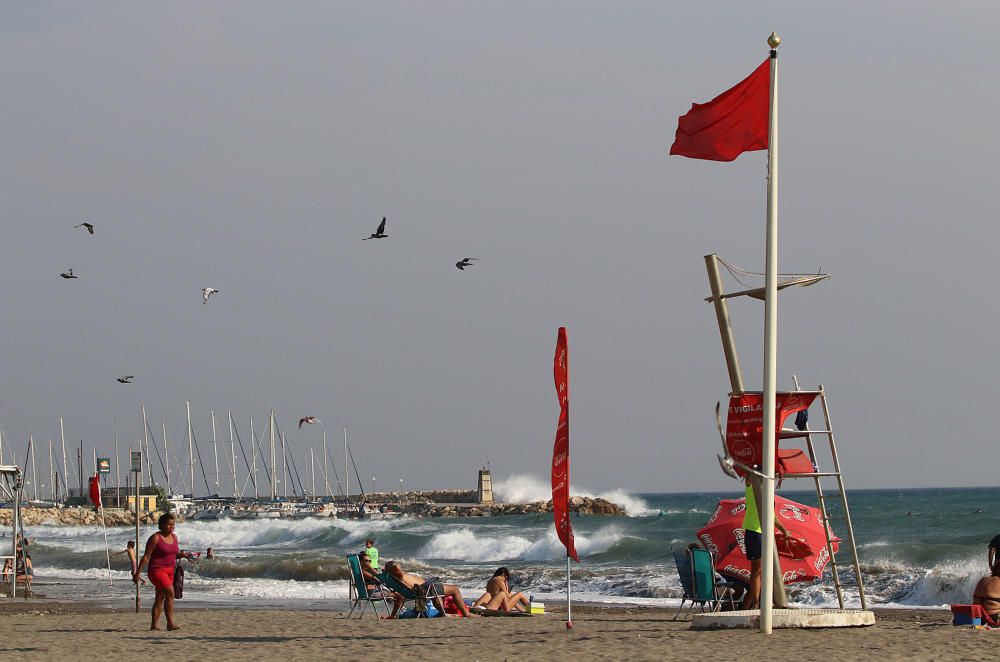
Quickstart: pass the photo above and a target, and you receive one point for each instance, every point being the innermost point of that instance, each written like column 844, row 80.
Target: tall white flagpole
column 770, row 350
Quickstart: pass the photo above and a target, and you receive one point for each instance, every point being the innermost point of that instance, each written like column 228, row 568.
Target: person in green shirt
column 372, row 553
column 752, row 541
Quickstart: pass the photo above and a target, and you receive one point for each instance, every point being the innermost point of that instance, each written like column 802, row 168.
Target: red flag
column 745, row 425
column 560, row 451
column 734, row 122
column 95, row 489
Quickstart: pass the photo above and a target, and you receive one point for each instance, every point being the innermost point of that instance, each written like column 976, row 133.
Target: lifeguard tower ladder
column 793, row 459
column 10, row 492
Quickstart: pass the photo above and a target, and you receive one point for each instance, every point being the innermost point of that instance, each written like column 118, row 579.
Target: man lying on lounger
column 411, row 581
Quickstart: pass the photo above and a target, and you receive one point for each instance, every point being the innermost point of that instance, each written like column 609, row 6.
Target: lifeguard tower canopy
column 742, row 441
column 10, row 497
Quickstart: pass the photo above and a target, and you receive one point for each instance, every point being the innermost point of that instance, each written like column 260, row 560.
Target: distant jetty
column 75, row 516
column 429, row 503
column 463, row 503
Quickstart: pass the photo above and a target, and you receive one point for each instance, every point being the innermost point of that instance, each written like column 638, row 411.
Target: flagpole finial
column 774, row 40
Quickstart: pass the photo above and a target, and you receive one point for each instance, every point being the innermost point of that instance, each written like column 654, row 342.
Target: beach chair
column 683, row 562
column 359, row 594
column 709, row 590
column 419, row 595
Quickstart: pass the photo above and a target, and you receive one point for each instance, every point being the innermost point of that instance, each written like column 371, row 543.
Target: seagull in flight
column 206, row 292
column 465, row 262
column 379, row 234
column 127, row 379
column 89, row 226
column 308, row 420
column 68, row 274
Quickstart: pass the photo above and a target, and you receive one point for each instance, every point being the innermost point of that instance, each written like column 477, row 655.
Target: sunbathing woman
column 987, row 593
column 498, row 595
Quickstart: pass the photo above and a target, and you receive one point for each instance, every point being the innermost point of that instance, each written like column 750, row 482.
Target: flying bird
column 465, row 262
column 308, row 419
column 89, row 226
column 127, row 379
column 206, row 292
column 379, row 234
column 68, row 274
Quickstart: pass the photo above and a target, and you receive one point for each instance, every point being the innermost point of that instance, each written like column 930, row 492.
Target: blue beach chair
column 696, row 571
column 359, row 593
column 708, row 589
column 419, row 595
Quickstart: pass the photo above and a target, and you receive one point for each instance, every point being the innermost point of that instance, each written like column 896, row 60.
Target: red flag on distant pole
column 560, row 464
column 734, row 122
column 560, row 451
column 95, row 489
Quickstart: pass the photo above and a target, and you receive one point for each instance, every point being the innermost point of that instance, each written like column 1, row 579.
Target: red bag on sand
column 449, row 605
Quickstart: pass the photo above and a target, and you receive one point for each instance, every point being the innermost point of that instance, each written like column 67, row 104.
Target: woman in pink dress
column 162, row 550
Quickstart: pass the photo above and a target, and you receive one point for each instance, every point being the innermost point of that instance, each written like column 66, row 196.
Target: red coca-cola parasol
column 802, row 553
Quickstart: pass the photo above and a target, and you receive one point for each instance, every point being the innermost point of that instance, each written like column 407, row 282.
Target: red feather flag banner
column 734, row 122
column 560, row 451
column 95, row 489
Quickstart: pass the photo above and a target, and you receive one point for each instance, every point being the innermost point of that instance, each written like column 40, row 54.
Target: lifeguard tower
column 801, row 451
column 10, row 493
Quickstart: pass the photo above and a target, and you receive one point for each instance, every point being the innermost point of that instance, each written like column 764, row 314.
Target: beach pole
column 569, row 602
column 136, row 458
column 104, row 525
column 770, row 349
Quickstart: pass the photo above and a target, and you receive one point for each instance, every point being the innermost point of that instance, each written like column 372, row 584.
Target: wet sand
column 45, row 630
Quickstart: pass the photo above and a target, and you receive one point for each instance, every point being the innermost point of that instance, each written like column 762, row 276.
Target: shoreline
column 37, row 628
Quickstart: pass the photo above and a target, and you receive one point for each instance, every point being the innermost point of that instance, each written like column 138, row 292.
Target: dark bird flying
column 89, row 226
column 465, row 262
column 308, row 420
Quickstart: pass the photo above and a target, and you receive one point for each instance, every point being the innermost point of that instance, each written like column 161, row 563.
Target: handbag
column 178, row 581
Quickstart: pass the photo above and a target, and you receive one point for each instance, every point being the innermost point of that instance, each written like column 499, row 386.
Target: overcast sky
column 249, row 146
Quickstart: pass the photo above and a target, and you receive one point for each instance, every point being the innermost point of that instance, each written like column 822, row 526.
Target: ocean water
column 929, row 558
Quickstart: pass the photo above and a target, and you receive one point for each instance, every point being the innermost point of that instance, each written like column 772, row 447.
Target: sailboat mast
column 166, row 454
column 190, row 447
column 52, row 481
column 270, row 426
column 215, row 447
column 118, row 466
column 232, row 446
column 62, row 437
column 253, row 453
column 347, row 473
column 284, row 469
column 34, row 477
column 145, row 451
column 326, row 476
column 312, row 465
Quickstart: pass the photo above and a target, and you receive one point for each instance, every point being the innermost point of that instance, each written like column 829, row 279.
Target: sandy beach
column 44, row 630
